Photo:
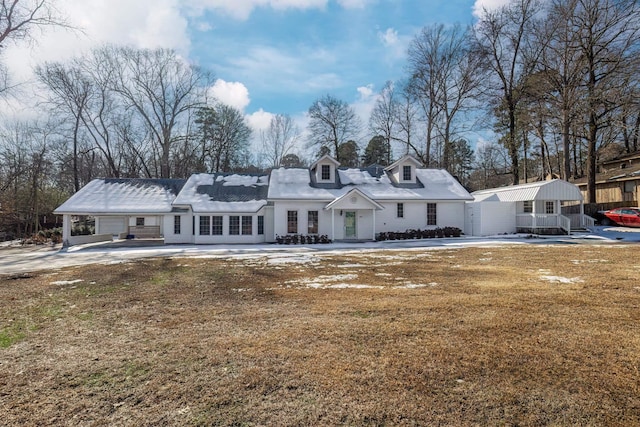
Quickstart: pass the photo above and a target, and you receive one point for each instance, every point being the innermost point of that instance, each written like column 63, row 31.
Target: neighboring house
column 617, row 181
column 344, row 204
column 533, row 208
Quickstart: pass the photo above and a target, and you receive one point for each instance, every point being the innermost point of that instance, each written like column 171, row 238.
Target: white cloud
column 365, row 91
column 389, row 37
column 395, row 43
column 364, row 104
column 234, row 94
column 138, row 23
column 480, row 5
column 259, row 120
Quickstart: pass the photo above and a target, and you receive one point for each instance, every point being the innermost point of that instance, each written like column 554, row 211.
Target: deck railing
column 142, row 231
column 581, row 221
column 535, row 221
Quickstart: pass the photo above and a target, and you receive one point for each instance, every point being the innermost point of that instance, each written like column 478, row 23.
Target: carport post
column 66, row 229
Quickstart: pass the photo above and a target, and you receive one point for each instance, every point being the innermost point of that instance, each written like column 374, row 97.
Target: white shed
column 533, row 207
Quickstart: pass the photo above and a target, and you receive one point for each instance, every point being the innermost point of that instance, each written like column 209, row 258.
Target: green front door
column 350, row 225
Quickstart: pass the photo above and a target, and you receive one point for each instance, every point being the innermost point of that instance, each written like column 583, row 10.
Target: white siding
column 448, row 214
column 491, row 218
column 185, row 235
column 280, row 217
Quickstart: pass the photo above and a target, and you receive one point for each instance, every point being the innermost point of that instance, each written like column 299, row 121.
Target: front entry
column 350, row 225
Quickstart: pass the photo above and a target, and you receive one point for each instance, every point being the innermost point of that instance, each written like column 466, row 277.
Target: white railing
column 581, row 221
column 543, row 221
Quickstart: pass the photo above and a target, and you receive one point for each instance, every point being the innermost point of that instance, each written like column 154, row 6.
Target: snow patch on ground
column 342, row 286
column 559, row 279
column 66, row 282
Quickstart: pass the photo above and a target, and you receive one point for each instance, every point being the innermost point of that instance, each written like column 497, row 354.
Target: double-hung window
column 406, row 173
column 432, row 217
column 205, row 225
column 176, row 224
column 247, row 225
column 400, row 210
column 216, row 225
column 325, row 173
column 234, row 225
column 292, row 222
column 312, row 222
column 260, row 224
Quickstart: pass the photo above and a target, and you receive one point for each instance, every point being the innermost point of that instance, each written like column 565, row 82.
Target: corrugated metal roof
column 556, row 189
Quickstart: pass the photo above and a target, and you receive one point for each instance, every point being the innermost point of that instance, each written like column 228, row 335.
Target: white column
column 374, row 223
column 533, row 211
column 333, row 221
column 66, row 229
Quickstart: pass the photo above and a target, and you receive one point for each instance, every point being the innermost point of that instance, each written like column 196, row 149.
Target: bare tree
column 383, row 121
column 331, row 123
column 161, row 89
column 280, row 139
column 504, row 39
column 18, row 20
column 608, row 36
column 445, row 79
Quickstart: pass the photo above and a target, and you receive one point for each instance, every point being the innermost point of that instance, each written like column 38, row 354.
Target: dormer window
column 326, row 173
column 406, row 173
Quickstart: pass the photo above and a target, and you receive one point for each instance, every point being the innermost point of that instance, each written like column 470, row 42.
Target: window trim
column 204, row 221
column 400, row 210
column 234, row 225
column 217, row 229
column 292, row 222
column 549, row 205
column 260, row 224
column 327, row 169
column 312, row 223
column 140, row 221
column 246, row 225
column 405, row 169
column 432, row 214
column 177, row 224
column 527, row 206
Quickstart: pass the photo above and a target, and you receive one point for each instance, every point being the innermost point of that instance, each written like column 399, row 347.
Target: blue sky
column 270, row 56
column 288, row 58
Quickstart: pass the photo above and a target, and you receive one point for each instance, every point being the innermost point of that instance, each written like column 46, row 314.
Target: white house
column 343, row 204
column 533, row 207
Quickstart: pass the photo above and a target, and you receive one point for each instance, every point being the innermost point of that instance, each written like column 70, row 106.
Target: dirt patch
column 528, row 335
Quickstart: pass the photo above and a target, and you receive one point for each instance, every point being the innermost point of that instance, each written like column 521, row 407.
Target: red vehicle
column 629, row 217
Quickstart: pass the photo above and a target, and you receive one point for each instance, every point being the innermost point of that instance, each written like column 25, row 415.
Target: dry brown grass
column 527, row 335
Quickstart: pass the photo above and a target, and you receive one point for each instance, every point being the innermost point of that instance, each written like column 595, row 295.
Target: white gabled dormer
column 324, row 169
column 403, row 171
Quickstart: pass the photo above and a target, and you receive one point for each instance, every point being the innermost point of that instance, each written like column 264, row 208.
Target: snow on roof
column 356, row 177
column 294, row 184
column 121, row 196
column 224, row 193
column 555, row 189
column 242, row 180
